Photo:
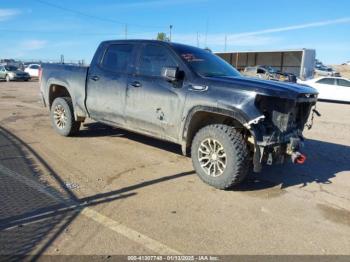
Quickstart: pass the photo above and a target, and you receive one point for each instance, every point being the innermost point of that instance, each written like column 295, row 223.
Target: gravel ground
column 108, row 191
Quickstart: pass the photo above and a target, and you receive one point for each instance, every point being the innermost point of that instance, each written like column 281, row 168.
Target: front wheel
column 62, row 117
column 7, row 78
column 220, row 156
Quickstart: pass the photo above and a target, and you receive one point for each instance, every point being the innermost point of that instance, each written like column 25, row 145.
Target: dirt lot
column 108, row 192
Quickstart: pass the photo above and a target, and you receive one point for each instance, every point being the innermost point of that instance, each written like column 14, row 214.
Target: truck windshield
column 205, row 63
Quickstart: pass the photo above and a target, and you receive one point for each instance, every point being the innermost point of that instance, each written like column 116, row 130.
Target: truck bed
column 73, row 77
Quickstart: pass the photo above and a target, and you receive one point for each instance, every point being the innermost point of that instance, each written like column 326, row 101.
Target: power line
column 93, row 16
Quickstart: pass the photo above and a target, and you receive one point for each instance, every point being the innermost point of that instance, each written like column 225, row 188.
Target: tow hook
column 298, row 158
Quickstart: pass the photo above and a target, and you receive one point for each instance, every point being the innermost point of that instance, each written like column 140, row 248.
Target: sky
column 47, row 29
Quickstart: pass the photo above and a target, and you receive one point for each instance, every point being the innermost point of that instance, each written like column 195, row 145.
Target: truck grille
column 284, row 115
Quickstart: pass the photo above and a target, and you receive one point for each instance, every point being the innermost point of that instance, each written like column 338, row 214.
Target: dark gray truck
column 186, row 95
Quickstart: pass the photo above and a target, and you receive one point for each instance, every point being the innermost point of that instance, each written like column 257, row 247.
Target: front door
column 107, row 82
column 153, row 104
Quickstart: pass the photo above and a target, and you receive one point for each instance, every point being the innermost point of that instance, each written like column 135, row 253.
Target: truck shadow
column 34, row 212
column 97, row 129
column 324, row 161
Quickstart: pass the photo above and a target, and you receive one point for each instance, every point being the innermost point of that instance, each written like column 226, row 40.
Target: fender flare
column 234, row 113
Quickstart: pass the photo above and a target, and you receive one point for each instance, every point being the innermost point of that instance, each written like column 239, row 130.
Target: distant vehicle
column 330, row 88
column 12, row 73
column 269, row 73
column 33, row 70
column 346, row 63
column 185, row 95
column 321, row 70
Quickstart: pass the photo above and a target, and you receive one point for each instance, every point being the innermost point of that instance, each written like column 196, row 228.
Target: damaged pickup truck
column 185, row 95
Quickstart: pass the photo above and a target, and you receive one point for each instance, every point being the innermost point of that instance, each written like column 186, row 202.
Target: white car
column 330, row 88
column 33, row 70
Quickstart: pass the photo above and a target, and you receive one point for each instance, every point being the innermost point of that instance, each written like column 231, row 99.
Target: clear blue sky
column 36, row 29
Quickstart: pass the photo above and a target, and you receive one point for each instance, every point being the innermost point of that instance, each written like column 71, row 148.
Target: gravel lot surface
column 108, row 191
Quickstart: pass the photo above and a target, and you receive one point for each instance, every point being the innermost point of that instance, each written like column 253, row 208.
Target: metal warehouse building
column 300, row 62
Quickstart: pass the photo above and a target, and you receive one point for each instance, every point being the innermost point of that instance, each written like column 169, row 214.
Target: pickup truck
column 186, row 95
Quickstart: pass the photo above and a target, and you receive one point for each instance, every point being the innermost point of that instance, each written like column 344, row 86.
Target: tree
column 162, row 37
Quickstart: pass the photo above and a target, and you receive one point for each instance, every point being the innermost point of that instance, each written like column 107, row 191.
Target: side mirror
column 172, row 73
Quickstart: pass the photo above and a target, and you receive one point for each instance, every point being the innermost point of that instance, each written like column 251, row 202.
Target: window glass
column 342, row 82
column 326, row 81
column 34, row 67
column 153, row 59
column 117, row 58
column 204, row 62
column 261, row 71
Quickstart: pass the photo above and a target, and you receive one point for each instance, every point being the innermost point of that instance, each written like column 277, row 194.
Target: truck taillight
column 40, row 73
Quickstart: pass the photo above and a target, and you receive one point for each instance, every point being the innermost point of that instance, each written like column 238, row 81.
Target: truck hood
column 264, row 87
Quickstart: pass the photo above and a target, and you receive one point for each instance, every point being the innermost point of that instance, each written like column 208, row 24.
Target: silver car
column 12, row 73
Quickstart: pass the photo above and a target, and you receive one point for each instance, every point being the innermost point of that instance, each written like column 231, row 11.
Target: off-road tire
column 71, row 126
column 7, row 78
column 237, row 155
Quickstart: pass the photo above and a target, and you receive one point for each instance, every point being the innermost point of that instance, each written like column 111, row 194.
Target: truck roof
column 145, row 41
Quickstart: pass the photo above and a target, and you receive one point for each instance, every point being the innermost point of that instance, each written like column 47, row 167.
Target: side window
column 153, row 59
column 2, row 68
column 34, row 67
column 261, row 71
column 326, row 81
column 117, row 57
column 342, row 82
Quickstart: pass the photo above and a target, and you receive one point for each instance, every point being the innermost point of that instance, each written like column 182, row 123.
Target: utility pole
column 206, row 32
column 170, row 28
column 126, row 31
column 225, row 42
column 197, row 39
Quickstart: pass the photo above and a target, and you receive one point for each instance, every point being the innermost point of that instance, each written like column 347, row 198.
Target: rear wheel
column 62, row 117
column 7, row 78
column 220, row 156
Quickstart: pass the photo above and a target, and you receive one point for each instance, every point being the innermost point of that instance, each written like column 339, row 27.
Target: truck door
column 107, row 82
column 154, row 105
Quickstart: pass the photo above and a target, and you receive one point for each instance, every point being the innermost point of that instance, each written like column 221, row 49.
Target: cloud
column 35, row 44
column 295, row 27
column 6, row 14
column 155, row 3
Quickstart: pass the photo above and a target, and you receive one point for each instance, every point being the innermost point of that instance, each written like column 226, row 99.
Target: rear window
column 342, row 82
column 326, row 81
column 117, row 57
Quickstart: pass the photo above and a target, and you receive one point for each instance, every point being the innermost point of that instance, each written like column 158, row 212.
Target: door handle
column 95, row 78
column 136, row 84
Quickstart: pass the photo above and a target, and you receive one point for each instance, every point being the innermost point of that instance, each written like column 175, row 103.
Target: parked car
column 33, row 70
column 185, row 95
column 269, row 73
column 11, row 73
column 330, row 88
column 325, row 71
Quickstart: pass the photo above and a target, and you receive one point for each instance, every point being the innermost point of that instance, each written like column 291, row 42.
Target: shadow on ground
column 324, row 160
column 33, row 213
column 97, row 129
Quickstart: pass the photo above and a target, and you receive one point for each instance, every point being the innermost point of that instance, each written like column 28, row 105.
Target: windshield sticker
column 191, row 58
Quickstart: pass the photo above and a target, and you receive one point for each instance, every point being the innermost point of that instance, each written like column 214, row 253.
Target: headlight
column 11, row 74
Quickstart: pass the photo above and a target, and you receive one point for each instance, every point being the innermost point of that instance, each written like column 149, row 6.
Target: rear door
column 153, row 105
column 107, row 81
column 343, row 90
column 327, row 88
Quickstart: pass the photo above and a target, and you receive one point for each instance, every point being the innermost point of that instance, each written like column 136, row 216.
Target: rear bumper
column 42, row 99
column 18, row 78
